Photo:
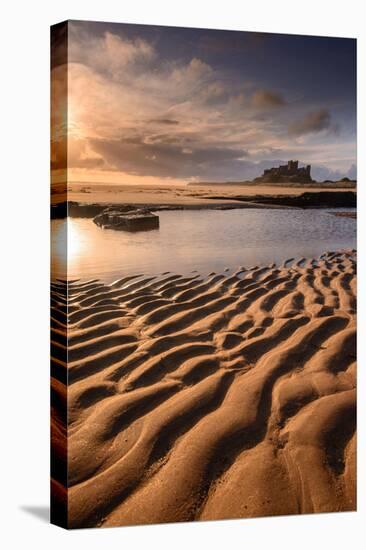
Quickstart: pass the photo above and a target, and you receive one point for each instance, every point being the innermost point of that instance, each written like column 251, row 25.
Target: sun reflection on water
column 75, row 243
column 67, row 248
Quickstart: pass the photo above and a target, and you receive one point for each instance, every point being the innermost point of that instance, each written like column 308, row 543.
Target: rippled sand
column 196, row 399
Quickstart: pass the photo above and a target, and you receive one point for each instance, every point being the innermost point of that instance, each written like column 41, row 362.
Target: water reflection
column 197, row 240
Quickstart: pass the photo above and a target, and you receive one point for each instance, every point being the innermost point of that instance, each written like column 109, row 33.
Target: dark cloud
column 167, row 159
column 168, row 121
column 89, row 163
column 179, row 139
column 266, row 99
column 268, row 151
column 315, row 121
column 164, row 159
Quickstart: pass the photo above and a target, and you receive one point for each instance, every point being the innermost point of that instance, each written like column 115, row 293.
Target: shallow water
column 202, row 240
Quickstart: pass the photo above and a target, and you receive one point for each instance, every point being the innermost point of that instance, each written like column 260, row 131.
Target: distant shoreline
column 328, row 184
column 321, row 199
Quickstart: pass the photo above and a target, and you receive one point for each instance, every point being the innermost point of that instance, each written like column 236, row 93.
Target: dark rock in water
column 84, row 210
column 75, row 210
column 127, row 218
column 93, row 210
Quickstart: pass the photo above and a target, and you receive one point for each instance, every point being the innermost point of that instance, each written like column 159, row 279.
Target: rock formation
column 127, row 218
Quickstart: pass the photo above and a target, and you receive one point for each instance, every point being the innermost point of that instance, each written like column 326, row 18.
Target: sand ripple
column 190, row 398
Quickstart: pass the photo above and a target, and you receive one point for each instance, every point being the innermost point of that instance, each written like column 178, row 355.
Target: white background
column 24, row 154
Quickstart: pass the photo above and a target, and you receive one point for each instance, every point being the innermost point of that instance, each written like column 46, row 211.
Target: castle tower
column 292, row 166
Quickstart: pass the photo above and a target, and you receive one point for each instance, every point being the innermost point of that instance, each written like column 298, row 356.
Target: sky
column 150, row 104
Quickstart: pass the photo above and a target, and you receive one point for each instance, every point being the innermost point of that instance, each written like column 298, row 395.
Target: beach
column 203, row 275
column 206, row 397
column 186, row 195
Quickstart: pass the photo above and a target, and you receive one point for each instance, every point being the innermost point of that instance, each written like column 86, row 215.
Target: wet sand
column 198, row 399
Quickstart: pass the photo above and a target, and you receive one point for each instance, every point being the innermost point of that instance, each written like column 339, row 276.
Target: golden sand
column 197, row 399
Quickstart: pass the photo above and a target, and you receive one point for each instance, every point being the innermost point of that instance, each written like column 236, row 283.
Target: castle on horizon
column 289, row 172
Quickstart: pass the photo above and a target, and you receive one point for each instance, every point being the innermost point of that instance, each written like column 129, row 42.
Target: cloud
column 81, row 155
column 138, row 110
column 195, row 70
column 238, row 101
column 214, row 92
column 265, row 99
column 139, row 156
column 314, row 121
column 169, row 156
column 109, row 53
column 167, row 121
